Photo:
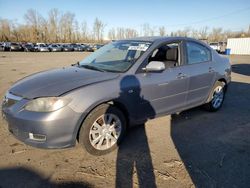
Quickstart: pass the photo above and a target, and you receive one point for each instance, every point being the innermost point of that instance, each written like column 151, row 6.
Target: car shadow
column 133, row 156
column 215, row 148
column 241, row 69
column 23, row 177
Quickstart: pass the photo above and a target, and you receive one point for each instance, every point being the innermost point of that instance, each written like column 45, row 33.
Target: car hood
column 58, row 81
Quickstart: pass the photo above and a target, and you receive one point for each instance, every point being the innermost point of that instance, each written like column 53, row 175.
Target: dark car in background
column 28, row 47
column 77, row 47
column 15, row 47
column 2, row 48
column 124, row 83
column 6, row 46
column 67, row 48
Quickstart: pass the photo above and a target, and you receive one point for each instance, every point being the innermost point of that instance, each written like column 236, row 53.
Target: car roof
column 159, row 38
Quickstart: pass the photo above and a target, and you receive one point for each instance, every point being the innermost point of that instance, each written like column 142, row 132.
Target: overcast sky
column 174, row 15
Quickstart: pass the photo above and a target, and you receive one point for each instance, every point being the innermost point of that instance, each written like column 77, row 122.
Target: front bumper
column 15, row 49
column 67, row 50
column 59, row 128
column 44, row 50
column 56, row 50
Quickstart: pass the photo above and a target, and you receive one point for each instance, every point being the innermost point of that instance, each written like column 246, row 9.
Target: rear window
column 197, row 53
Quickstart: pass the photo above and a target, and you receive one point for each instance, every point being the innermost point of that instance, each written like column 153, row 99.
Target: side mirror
column 154, row 66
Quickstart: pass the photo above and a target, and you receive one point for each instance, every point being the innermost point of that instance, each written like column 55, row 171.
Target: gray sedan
column 55, row 48
column 122, row 84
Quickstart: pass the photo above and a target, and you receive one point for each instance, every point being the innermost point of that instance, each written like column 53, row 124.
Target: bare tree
column 130, row 33
column 15, row 34
column 147, row 30
column 98, row 29
column 248, row 32
column 162, row 31
column 5, row 30
column 112, row 34
column 203, row 33
column 120, row 33
column 67, row 27
column 53, row 25
column 195, row 33
column 23, row 32
column 85, row 33
column 63, row 27
column 186, row 32
column 216, row 35
column 43, row 30
column 33, row 20
column 77, row 35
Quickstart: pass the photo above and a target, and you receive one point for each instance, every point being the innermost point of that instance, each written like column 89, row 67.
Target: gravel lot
column 192, row 149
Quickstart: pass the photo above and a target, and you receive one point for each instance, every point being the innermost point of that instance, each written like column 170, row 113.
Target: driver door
column 166, row 91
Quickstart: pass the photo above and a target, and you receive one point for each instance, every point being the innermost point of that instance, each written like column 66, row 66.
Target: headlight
column 47, row 104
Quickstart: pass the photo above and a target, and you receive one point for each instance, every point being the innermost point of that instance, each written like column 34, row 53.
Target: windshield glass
column 117, row 56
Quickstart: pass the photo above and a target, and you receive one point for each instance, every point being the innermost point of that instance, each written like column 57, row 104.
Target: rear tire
column 102, row 130
column 217, row 97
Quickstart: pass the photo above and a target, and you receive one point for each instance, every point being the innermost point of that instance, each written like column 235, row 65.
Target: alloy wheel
column 218, row 97
column 105, row 131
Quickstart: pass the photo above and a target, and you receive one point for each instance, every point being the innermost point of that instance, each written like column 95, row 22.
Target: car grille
column 10, row 99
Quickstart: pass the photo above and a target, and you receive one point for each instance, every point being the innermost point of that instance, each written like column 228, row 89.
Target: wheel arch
column 216, row 83
column 224, row 81
column 113, row 102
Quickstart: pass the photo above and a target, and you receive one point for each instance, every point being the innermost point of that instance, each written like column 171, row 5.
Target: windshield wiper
column 76, row 64
column 92, row 68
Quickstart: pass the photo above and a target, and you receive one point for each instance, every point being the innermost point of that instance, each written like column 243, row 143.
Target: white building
column 239, row 46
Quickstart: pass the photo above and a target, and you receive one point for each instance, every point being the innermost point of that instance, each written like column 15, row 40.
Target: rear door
column 200, row 68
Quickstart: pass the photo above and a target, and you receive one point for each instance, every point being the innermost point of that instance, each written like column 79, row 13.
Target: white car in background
column 41, row 47
column 215, row 46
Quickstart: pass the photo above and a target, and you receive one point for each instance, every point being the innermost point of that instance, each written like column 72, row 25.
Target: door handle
column 210, row 69
column 181, row 76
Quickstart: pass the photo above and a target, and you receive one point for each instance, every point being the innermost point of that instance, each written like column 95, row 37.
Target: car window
column 197, row 53
column 168, row 54
column 116, row 56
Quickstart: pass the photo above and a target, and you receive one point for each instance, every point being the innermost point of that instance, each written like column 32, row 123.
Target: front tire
column 102, row 130
column 217, row 97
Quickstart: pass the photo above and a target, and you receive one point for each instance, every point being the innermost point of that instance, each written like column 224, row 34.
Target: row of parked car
column 43, row 47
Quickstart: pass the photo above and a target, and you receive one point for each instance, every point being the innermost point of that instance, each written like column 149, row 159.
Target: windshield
column 117, row 56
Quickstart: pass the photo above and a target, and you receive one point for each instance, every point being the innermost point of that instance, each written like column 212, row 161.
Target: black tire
column 88, row 123
column 210, row 106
